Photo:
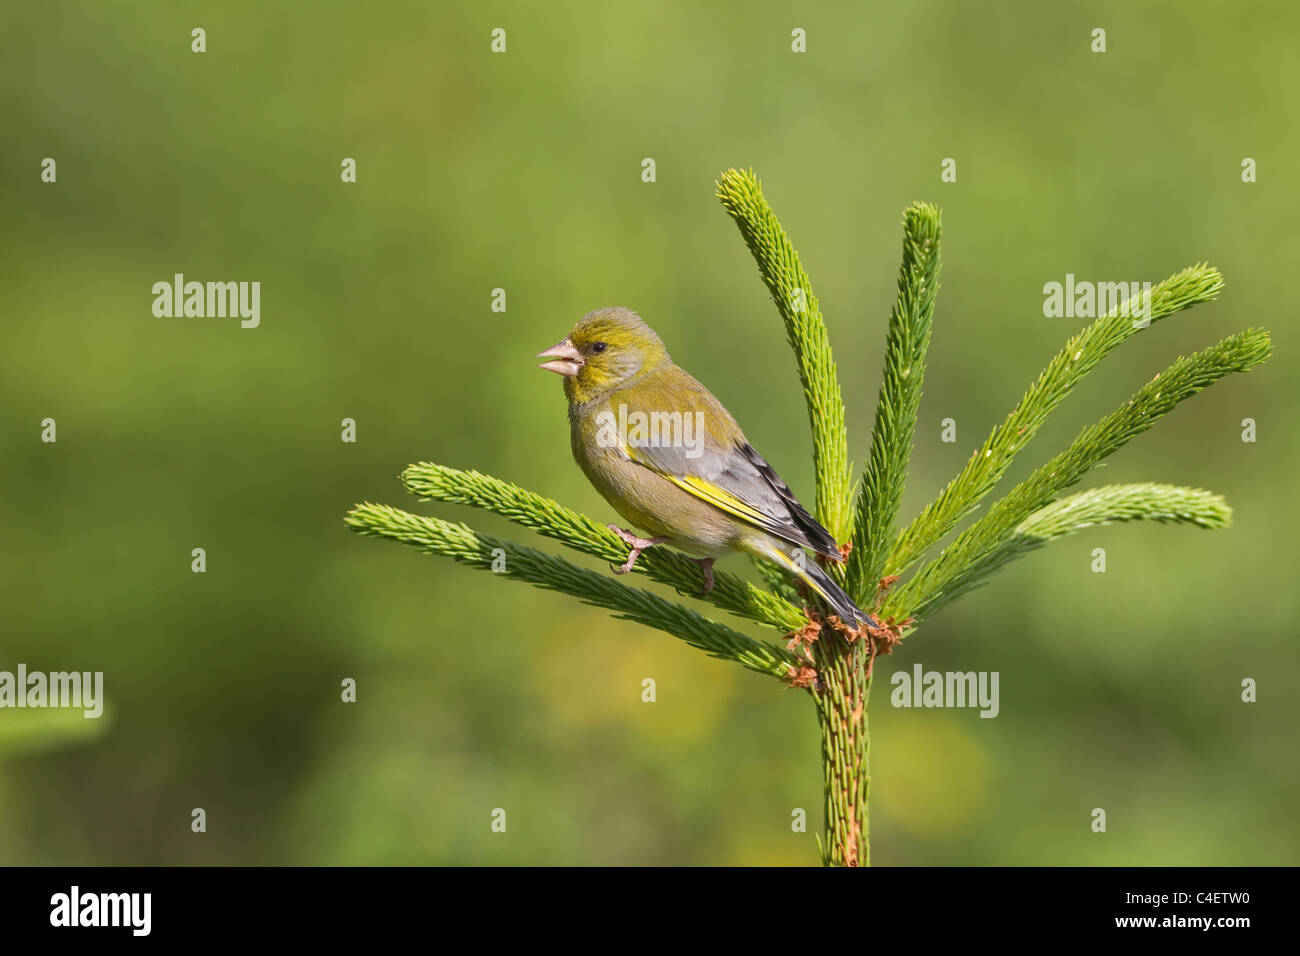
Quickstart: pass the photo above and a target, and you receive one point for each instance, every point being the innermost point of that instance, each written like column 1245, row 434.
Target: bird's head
column 601, row 352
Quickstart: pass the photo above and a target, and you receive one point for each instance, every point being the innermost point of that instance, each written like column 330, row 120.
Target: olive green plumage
column 665, row 453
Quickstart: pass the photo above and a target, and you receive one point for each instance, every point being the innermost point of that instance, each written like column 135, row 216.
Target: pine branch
column 1097, row 506
column 435, row 536
column 1143, row 501
column 778, row 263
column 40, row 730
column 549, row 518
column 1186, row 377
column 910, row 323
column 844, row 675
column 1200, row 283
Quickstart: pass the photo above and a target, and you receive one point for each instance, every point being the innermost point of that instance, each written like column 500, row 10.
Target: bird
column 671, row 460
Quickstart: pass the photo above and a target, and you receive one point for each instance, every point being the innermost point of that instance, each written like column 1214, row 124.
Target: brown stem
column 844, row 682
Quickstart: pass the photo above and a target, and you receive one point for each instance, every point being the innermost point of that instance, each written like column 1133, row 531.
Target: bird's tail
column 812, row 574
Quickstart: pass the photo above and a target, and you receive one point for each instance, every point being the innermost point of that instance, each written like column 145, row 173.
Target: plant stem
column 842, row 707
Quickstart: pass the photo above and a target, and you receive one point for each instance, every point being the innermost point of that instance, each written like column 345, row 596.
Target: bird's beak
column 566, row 358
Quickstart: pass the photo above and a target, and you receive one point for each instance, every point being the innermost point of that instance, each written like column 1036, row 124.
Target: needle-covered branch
column 778, row 264
column 910, row 322
column 1104, row 505
column 1186, row 377
column 456, row 541
column 549, row 518
column 1200, row 283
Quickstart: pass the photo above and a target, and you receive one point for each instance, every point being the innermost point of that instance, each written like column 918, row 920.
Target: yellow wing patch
column 710, row 492
column 720, row 498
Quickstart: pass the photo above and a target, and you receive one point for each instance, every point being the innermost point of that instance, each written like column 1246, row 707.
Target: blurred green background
column 522, row 171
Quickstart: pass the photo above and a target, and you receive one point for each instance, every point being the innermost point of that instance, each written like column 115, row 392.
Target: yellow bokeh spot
column 928, row 774
column 592, row 669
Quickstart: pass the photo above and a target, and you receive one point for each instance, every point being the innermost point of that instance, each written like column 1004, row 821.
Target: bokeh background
column 522, row 171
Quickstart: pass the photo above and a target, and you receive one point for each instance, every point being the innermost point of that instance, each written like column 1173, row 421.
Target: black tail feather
column 834, row 595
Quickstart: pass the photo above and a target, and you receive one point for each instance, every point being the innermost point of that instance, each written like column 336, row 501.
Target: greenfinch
column 665, row 453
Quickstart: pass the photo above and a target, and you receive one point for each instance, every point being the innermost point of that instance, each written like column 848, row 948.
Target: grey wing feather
column 733, row 466
column 812, row 534
column 746, row 474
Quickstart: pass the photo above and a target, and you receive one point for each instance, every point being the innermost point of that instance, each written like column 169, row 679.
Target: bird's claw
column 706, row 565
column 636, row 544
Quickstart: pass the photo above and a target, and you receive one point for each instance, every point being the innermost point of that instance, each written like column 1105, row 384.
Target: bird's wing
column 713, row 461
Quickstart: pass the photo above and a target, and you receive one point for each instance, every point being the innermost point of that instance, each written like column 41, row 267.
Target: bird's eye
column 598, row 347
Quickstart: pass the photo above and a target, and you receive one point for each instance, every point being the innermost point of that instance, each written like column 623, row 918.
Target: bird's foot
column 636, row 544
column 706, row 565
